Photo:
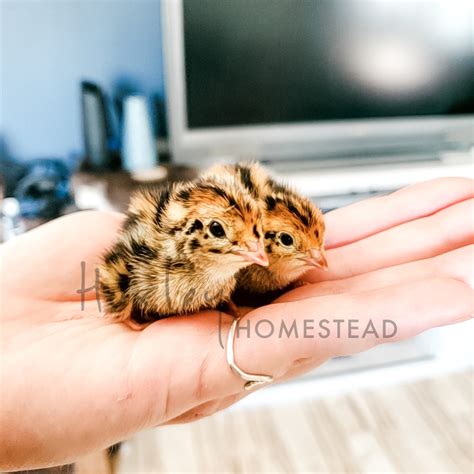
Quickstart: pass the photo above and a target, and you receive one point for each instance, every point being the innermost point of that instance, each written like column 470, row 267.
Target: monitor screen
column 253, row 62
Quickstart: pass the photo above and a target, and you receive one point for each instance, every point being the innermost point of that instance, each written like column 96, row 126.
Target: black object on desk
column 99, row 141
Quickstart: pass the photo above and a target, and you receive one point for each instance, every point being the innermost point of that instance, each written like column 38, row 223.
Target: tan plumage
column 180, row 249
column 293, row 231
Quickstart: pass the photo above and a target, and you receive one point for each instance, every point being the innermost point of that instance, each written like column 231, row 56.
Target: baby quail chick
column 293, row 231
column 180, row 249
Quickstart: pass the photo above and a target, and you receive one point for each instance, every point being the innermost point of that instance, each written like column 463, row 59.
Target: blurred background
column 344, row 99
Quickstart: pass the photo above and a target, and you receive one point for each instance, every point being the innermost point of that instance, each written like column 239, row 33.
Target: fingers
column 457, row 264
column 446, row 230
column 371, row 216
column 411, row 307
column 195, row 367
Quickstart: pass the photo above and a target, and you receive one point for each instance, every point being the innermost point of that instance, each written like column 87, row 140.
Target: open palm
column 73, row 381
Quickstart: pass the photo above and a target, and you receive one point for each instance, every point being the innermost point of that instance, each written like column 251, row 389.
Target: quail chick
column 180, row 249
column 293, row 232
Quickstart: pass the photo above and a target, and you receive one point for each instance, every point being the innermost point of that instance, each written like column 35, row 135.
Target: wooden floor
column 423, row 427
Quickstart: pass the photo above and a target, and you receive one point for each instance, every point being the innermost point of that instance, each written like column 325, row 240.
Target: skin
column 73, row 382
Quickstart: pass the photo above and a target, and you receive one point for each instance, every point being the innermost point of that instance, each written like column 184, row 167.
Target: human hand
column 73, row 381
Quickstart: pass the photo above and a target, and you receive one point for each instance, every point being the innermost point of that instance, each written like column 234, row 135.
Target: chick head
column 294, row 234
column 216, row 223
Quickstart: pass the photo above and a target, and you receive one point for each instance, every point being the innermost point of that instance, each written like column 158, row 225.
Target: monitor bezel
column 281, row 141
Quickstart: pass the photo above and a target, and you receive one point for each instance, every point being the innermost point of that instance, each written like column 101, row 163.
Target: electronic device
column 301, row 83
column 96, row 126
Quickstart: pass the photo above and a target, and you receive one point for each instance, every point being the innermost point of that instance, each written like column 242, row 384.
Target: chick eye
column 216, row 229
column 286, row 239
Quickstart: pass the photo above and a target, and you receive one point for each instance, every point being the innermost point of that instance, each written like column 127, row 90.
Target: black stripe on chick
column 184, row 195
column 255, row 232
column 276, row 187
column 245, row 174
column 141, row 317
column 162, row 200
column 218, row 191
column 130, row 221
column 111, row 297
column 124, row 282
column 270, row 202
column 142, row 251
column 194, row 244
column 196, row 225
column 116, row 254
column 294, row 210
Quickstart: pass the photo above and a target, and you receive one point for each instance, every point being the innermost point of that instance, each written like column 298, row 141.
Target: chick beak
column 255, row 253
column 316, row 258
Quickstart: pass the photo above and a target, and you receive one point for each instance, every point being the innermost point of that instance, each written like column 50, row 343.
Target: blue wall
column 48, row 47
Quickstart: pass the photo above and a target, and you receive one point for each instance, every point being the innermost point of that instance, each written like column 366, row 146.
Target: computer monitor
column 318, row 79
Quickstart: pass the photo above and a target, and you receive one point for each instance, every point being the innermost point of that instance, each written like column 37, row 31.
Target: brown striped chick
column 180, row 249
column 293, row 232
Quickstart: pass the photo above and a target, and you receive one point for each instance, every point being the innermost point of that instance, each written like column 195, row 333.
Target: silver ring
column 250, row 379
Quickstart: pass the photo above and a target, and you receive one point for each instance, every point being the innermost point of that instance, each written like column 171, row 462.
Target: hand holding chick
column 175, row 369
